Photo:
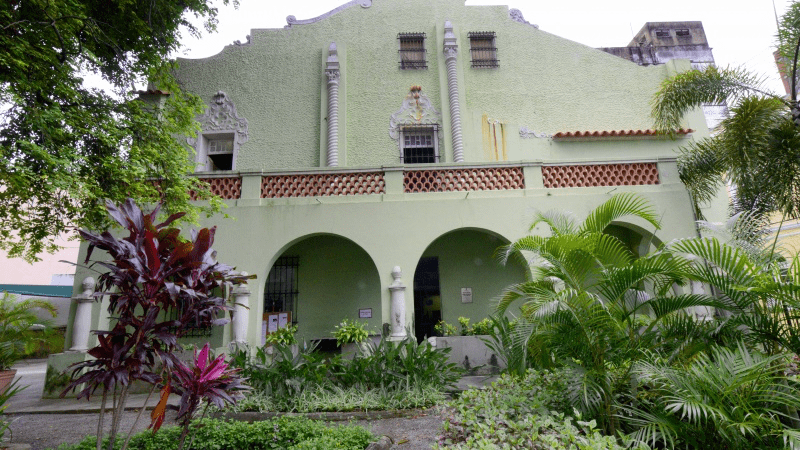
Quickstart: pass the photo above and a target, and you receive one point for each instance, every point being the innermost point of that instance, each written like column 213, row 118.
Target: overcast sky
column 741, row 32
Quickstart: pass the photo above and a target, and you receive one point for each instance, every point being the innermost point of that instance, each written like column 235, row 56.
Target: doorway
column 427, row 298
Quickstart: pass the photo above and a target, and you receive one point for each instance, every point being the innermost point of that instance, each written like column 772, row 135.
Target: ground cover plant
column 386, row 375
column 288, row 433
column 519, row 413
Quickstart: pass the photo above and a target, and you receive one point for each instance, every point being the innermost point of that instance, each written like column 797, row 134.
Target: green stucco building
column 417, row 134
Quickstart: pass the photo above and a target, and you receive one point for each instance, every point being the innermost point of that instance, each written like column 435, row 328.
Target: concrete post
column 241, row 309
column 450, row 57
column 83, row 316
column 332, row 73
column 398, row 290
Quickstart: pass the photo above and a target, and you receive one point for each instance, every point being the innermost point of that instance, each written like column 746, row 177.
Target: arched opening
column 459, row 275
column 319, row 281
column 638, row 240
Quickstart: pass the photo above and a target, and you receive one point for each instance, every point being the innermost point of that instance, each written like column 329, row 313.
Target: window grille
column 412, row 51
column 682, row 32
column 662, row 33
column 482, row 49
column 195, row 327
column 419, row 145
column 280, row 292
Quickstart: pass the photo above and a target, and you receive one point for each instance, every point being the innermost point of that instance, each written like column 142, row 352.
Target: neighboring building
column 420, row 134
column 660, row 42
column 50, row 279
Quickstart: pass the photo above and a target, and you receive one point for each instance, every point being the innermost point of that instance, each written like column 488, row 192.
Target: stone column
column 450, row 59
column 398, row 290
column 83, row 316
column 241, row 309
column 332, row 73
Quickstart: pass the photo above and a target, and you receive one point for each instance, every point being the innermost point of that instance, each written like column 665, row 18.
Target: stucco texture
column 543, row 82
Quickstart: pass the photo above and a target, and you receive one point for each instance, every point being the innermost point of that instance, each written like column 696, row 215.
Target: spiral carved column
column 332, row 73
column 451, row 54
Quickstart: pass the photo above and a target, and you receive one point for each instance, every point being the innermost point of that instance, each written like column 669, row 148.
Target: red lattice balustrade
column 600, row 175
column 225, row 188
column 449, row 180
column 317, row 185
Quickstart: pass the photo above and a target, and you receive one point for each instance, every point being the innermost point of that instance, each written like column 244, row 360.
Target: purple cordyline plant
column 210, row 381
column 151, row 272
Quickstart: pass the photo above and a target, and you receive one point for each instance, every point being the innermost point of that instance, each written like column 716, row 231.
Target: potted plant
column 20, row 332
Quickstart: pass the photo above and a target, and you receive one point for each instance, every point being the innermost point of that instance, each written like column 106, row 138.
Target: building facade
column 376, row 157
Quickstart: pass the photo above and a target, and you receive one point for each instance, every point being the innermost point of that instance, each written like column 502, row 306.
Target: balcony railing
column 431, row 179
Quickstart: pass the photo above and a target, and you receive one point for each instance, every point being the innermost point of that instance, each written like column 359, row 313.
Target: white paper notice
column 273, row 323
column 283, row 319
column 263, row 332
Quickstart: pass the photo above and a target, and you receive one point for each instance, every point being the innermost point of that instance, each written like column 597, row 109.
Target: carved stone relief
column 417, row 109
column 221, row 117
column 525, row 133
column 516, row 16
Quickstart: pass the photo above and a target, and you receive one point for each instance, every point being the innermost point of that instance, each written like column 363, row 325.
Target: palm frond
column 618, row 206
column 691, row 89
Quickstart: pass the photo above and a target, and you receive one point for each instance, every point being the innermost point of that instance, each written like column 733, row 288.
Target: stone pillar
column 332, row 73
column 83, row 316
column 241, row 309
column 398, row 290
column 704, row 313
column 450, row 59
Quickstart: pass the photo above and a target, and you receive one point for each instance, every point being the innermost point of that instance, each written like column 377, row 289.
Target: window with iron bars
column 419, row 145
column 412, row 51
column 194, row 327
column 482, row 49
column 280, row 292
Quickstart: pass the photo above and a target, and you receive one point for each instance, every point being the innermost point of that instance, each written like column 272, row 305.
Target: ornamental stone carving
column 292, row 20
column 516, row 16
column 525, row 133
column 417, row 109
column 221, row 116
column 451, row 53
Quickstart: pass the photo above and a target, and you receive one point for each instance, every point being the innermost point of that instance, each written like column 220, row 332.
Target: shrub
column 282, row 336
column 518, row 413
column 385, row 375
column 350, row 332
column 290, row 433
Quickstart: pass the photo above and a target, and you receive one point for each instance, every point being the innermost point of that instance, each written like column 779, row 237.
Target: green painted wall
column 544, row 82
column 467, row 260
column 336, row 278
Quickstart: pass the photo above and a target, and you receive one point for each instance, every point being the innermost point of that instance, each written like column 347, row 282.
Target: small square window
column 412, row 51
column 419, row 145
column 219, row 150
column 482, row 49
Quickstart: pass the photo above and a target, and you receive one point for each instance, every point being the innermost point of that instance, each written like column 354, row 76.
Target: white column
column 83, row 317
column 332, row 73
column 398, row 290
column 241, row 309
column 704, row 313
column 450, row 59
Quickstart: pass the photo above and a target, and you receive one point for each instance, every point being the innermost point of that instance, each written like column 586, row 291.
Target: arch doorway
column 458, row 275
column 322, row 280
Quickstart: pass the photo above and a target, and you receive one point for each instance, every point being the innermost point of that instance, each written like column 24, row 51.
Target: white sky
column 741, row 32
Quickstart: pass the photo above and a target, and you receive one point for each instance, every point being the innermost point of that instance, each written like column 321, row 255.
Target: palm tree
column 757, row 147
column 593, row 307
